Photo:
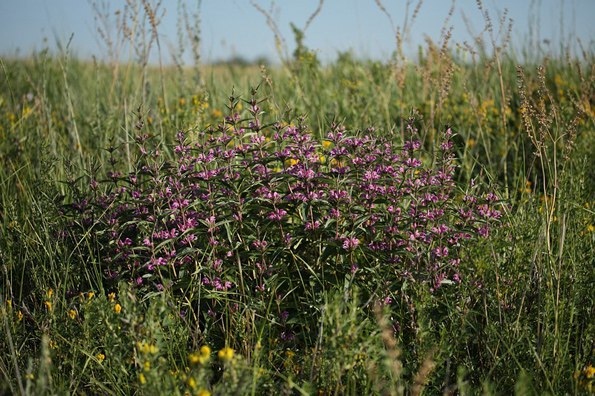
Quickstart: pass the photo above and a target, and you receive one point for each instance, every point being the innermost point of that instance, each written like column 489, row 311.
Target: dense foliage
column 355, row 228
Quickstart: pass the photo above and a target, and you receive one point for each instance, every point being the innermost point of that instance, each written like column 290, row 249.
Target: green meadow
column 350, row 228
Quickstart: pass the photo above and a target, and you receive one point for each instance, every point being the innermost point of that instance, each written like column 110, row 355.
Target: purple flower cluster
column 243, row 204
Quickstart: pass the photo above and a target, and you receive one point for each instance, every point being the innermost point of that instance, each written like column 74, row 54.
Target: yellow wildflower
column 199, row 103
column 12, row 118
column 291, row 162
column 19, row 315
column 335, row 163
column 72, row 314
column 327, row 144
column 90, row 295
column 527, row 189
column 194, row 358
column 147, row 366
column 591, row 228
column 27, row 111
column 111, row 297
column 589, row 372
column 203, row 392
column 205, row 350
column 142, row 379
column 117, row 308
column 50, row 293
column 48, row 305
column 216, row 113
column 226, row 354
column 100, row 357
column 146, row 348
column 200, row 357
column 191, row 382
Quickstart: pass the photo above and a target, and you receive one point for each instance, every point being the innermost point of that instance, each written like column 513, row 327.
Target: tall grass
column 297, row 179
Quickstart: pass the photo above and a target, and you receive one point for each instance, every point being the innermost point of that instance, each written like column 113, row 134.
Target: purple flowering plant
column 249, row 209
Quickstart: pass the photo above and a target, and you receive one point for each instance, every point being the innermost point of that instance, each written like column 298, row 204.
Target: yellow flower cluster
column 48, row 303
column 226, row 354
column 291, row 162
column 201, row 357
column 8, row 306
column 8, row 310
column 192, row 384
column 146, row 348
column 585, row 378
column 199, row 103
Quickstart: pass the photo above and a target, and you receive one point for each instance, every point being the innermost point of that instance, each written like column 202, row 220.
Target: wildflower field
column 358, row 227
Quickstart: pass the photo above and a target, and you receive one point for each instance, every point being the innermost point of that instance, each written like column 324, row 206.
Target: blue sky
column 235, row 28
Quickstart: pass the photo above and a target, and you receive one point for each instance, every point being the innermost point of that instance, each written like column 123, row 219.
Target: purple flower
column 371, row 175
column 284, row 315
column 441, row 251
column 484, row 231
column 447, row 145
column 334, row 213
column 277, row 215
column 221, row 285
column 441, row 229
column 412, row 145
column 312, row 225
column 189, row 239
column 217, row 265
column 156, row 262
column 260, row 245
column 350, row 243
column 412, row 162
